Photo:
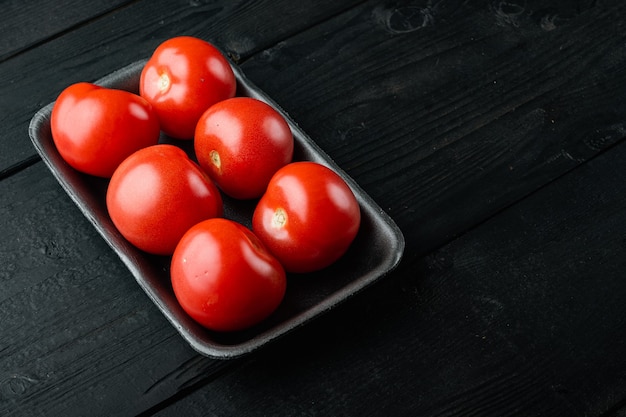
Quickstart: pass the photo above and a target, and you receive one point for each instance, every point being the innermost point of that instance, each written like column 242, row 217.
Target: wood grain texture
column 79, row 337
column 78, row 334
column 29, row 23
column 447, row 122
column 497, row 121
column 503, row 321
column 514, row 109
column 91, row 51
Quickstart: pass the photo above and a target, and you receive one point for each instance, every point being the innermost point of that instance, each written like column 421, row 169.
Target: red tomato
column 308, row 217
column 223, row 276
column 183, row 78
column 241, row 142
column 96, row 128
column 157, row 194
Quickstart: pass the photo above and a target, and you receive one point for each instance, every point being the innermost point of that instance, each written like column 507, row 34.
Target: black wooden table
column 490, row 131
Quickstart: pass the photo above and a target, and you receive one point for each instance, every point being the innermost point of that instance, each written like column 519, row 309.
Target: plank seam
column 65, row 31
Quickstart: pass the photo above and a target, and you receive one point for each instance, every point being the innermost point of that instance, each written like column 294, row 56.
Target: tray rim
column 207, row 347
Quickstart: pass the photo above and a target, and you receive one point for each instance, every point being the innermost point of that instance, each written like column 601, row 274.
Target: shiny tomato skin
column 241, row 142
column 308, row 217
column 96, row 128
column 224, row 277
column 157, row 194
column 184, row 77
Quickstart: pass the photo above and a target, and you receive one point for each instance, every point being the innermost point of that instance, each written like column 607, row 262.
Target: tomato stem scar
column 164, row 82
column 215, row 158
column 279, row 218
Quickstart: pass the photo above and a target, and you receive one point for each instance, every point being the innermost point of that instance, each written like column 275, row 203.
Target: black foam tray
column 376, row 250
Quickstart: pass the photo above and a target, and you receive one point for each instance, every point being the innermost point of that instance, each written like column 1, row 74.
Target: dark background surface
column 490, row 131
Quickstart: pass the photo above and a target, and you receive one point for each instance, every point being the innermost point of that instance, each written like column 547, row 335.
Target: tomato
column 308, row 216
column 96, row 128
column 157, row 194
column 241, row 142
column 184, row 77
column 224, row 277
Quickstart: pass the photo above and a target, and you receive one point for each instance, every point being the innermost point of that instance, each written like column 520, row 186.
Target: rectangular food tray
column 376, row 250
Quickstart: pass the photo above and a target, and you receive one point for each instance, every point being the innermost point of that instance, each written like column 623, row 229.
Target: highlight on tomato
column 241, row 142
column 224, row 277
column 307, row 217
column 95, row 128
column 157, row 194
column 184, row 77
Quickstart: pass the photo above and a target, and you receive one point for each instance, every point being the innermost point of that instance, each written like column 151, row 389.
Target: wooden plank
column 35, row 78
column 523, row 315
column 449, row 336
column 449, row 119
column 25, row 24
column 547, row 276
column 45, row 376
column 79, row 337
